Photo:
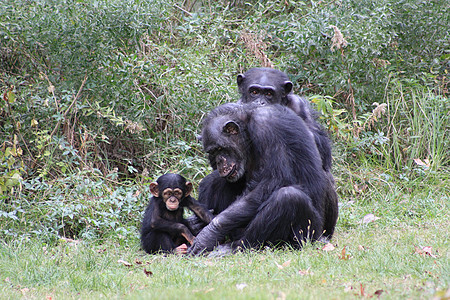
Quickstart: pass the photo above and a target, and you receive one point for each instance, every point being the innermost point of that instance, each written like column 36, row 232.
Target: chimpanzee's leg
column 154, row 242
column 287, row 215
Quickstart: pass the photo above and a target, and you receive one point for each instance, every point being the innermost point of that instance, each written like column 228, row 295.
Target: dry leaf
column 378, row 292
column 368, row 218
column 125, row 263
column 148, row 273
column 424, row 251
column 343, row 255
column 424, row 163
column 305, row 272
column 51, row 89
column 284, row 265
column 328, row 247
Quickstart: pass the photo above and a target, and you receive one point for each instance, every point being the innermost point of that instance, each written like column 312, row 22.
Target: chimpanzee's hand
column 206, row 240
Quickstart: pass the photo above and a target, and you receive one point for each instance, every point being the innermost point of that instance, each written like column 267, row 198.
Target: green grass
column 98, row 98
column 381, row 255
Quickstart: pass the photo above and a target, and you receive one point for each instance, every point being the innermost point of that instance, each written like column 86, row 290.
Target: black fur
column 266, row 86
column 283, row 195
column 164, row 230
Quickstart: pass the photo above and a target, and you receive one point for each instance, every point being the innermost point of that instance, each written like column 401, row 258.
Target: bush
column 96, row 94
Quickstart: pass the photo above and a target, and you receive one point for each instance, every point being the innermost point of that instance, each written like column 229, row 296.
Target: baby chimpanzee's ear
column 188, row 189
column 154, row 189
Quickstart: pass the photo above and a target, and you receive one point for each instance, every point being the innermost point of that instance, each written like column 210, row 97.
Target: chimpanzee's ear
column 154, row 189
column 240, row 78
column 287, row 87
column 231, row 127
column 188, row 189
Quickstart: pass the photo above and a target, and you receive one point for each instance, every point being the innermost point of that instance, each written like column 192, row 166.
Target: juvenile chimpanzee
column 163, row 226
column 287, row 196
column 266, row 86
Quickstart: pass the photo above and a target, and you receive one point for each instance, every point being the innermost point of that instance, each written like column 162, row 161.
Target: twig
column 59, row 121
column 183, row 10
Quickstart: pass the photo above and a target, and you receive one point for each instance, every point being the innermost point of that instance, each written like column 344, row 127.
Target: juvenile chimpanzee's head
column 172, row 188
column 264, row 86
column 224, row 137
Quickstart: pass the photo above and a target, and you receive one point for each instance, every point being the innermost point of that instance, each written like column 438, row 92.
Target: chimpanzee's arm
column 236, row 215
column 202, row 212
column 172, row 227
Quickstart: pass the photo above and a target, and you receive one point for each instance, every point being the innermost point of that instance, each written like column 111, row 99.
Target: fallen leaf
column 361, row 248
column 368, row 218
column 125, row 263
column 424, row 251
column 51, row 88
column 378, row 293
column 328, row 247
column 343, row 255
column 284, row 265
column 148, row 273
column 305, row 272
column 428, row 250
column 424, row 163
column 138, row 262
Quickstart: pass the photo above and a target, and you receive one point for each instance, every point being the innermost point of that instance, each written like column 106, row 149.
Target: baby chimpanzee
column 163, row 227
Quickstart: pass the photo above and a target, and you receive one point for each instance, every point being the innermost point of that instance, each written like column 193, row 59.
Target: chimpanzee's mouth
column 231, row 173
column 171, row 205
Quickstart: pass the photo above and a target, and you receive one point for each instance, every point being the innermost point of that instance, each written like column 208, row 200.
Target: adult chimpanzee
column 266, row 86
column 163, row 226
column 286, row 196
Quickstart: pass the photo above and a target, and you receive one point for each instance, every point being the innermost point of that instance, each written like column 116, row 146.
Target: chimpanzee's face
column 172, row 189
column 172, row 198
column 264, row 86
column 225, row 143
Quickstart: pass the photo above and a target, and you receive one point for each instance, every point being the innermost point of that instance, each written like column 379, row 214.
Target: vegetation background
column 99, row 98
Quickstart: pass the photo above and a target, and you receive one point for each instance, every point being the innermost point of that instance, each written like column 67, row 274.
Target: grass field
column 394, row 246
column 99, row 98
